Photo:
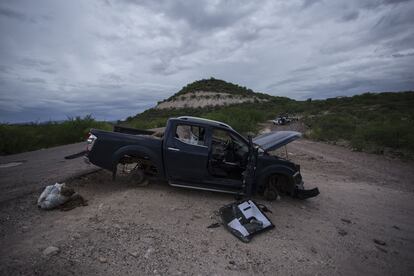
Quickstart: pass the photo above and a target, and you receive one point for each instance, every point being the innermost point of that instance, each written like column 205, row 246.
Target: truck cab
column 204, row 154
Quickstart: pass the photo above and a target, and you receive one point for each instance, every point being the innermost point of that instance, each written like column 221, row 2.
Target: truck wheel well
column 128, row 162
column 276, row 184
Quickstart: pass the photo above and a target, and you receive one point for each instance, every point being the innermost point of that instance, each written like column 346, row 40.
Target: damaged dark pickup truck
column 201, row 154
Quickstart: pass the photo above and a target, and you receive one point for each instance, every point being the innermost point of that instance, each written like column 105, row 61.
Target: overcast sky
column 114, row 59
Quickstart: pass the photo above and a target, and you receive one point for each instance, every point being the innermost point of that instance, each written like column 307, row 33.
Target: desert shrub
column 242, row 120
column 332, row 127
column 378, row 135
column 371, row 122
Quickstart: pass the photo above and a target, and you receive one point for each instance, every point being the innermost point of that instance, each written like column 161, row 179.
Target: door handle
column 173, row 149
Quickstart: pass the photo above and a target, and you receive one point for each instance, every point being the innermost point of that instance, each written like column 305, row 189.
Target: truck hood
column 276, row 139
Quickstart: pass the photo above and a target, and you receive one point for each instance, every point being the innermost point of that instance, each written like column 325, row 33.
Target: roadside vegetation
column 16, row 138
column 369, row 122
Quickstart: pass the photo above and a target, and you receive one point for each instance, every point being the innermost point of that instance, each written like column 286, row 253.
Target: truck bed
column 109, row 147
column 156, row 132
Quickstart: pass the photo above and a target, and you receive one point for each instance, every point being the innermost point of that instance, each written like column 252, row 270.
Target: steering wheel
column 228, row 145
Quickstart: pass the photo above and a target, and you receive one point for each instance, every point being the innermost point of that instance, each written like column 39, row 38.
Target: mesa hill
column 211, row 93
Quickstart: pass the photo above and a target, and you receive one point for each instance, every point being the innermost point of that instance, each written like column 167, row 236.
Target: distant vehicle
column 201, row 154
column 283, row 120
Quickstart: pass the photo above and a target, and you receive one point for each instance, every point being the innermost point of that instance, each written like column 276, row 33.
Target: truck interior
column 228, row 155
column 193, row 135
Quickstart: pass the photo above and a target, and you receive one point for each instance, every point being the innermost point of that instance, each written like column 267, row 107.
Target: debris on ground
column 148, row 253
column 102, row 260
column 342, row 232
column 134, row 254
column 264, row 208
column 214, row 225
column 244, row 219
column 51, row 250
column 52, row 197
column 76, row 200
column 381, row 249
column 346, row 220
column 60, row 196
column 380, row 242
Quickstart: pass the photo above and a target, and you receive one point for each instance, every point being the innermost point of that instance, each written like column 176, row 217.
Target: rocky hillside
column 211, row 93
column 202, row 99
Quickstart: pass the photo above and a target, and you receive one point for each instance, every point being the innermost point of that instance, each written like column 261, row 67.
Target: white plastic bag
column 51, row 197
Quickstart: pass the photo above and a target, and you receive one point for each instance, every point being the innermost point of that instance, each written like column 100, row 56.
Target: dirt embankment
column 200, row 99
column 361, row 223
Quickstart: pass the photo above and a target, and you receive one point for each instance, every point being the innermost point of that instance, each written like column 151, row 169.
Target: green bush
column 371, row 122
column 378, row 135
column 242, row 119
column 332, row 127
column 21, row 138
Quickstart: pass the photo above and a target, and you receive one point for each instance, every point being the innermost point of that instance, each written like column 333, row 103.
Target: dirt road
column 24, row 173
column 361, row 223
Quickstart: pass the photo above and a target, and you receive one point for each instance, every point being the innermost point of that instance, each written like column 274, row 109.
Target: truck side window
column 229, row 146
column 193, row 135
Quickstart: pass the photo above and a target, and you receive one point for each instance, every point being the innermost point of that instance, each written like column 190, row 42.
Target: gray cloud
column 309, row 3
column 116, row 58
column 352, row 15
column 33, row 80
column 12, row 14
column 205, row 16
column 32, row 62
column 402, row 55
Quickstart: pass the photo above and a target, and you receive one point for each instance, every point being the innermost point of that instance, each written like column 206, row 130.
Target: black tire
column 270, row 192
column 276, row 186
column 138, row 176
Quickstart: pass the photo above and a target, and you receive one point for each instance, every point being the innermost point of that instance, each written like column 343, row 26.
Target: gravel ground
column 361, row 223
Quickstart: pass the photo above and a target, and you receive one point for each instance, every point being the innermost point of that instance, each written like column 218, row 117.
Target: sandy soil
column 361, row 223
column 200, row 99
